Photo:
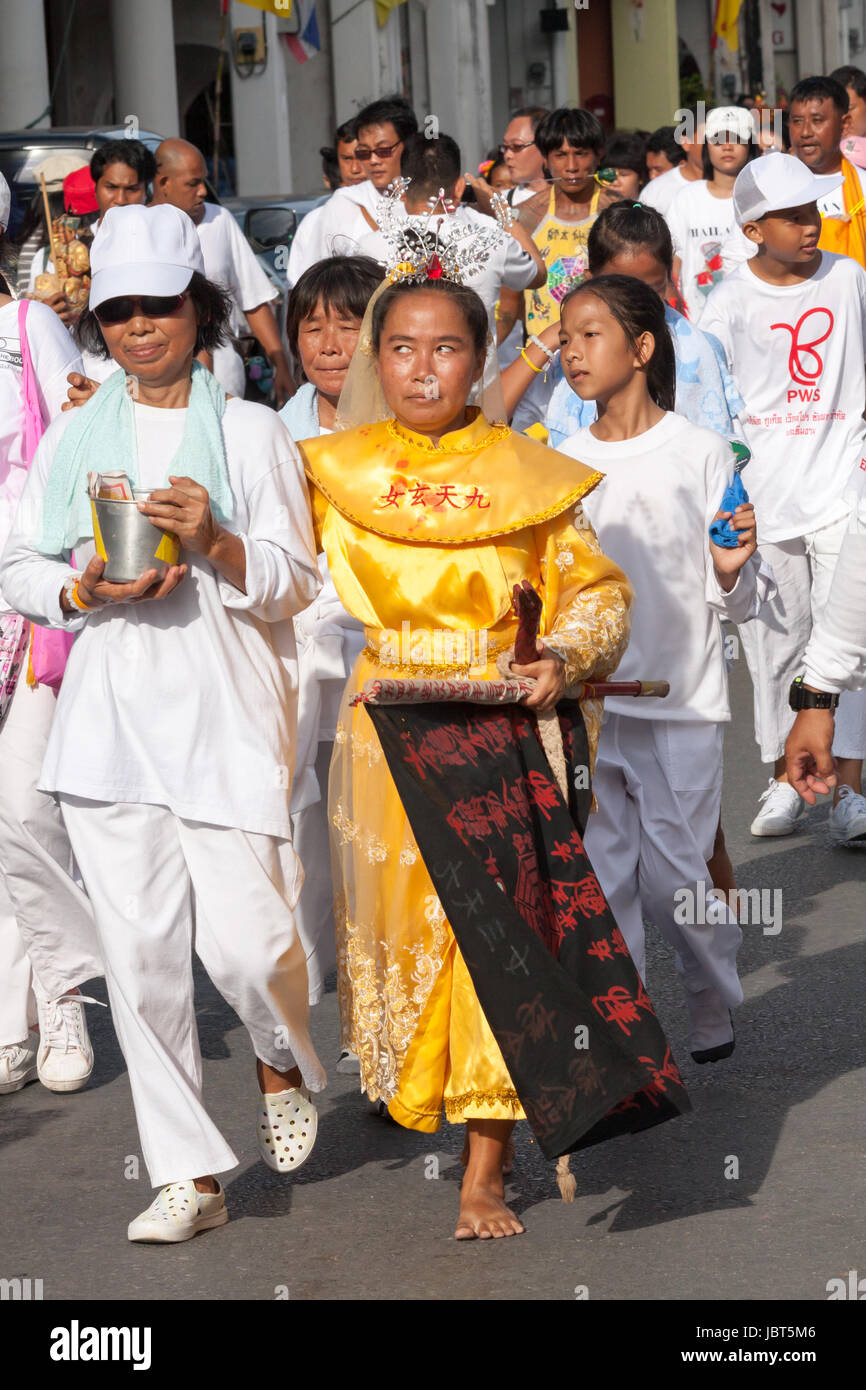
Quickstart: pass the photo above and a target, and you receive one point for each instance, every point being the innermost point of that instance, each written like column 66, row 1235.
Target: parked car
column 269, row 223
column 21, row 151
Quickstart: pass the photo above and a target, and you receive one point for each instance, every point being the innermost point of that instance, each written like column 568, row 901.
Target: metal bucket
column 129, row 543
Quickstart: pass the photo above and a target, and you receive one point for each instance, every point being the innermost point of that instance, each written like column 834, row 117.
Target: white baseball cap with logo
column 140, row 250
column 776, row 181
column 734, row 119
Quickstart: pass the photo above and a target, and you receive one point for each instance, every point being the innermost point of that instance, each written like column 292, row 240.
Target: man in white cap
column 229, row 261
column 792, row 322
column 173, row 743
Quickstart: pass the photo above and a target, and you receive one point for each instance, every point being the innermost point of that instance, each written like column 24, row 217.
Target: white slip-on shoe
column 848, row 819
column 781, row 808
column 65, row 1058
column 18, row 1064
column 711, row 1027
column 179, row 1212
column 287, row 1127
column 348, row 1063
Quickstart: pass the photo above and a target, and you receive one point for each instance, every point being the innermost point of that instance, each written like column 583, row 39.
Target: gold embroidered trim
column 497, row 433
column 414, row 668
column 455, row 1105
column 535, row 519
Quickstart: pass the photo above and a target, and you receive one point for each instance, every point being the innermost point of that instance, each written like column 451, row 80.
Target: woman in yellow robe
column 428, row 519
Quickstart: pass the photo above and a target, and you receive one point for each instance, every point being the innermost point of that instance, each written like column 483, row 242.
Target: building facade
column 467, row 63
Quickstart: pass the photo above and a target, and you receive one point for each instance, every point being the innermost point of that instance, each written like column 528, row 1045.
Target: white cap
column 5, row 203
column 139, row 250
column 55, row 167
column 775, row 181
column 736, row 119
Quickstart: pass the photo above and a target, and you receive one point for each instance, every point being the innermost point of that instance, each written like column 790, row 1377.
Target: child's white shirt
column 796, row 353
column 651, row 513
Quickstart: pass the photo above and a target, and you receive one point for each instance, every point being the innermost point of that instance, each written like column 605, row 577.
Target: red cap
column 79, row 193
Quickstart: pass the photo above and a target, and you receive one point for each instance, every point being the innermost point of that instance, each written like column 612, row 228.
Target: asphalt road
column 372, row 1214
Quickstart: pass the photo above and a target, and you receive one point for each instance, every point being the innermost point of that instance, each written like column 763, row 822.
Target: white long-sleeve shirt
column 187, row 702
column 338, row 228
column 651, row 514
column 835, row 656
column 53, row 355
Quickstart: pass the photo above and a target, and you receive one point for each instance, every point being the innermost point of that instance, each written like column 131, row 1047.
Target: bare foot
column 484, row 1215
column 507, row 1161
column 208, row 1184
column 272, row 1082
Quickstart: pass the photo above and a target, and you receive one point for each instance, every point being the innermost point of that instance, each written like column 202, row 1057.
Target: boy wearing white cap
column 792, row 322
column 173, row 741
column 707, row 241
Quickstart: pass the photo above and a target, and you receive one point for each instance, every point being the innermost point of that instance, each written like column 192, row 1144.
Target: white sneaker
column 288, row 1123
column 65, row 1058
column 18, row 1064
column 179, row 1212
column 348, row 1063
column 848, row 819
column 781, row 809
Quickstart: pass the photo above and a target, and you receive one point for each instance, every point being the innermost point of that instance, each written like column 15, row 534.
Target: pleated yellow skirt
column 409, row 1009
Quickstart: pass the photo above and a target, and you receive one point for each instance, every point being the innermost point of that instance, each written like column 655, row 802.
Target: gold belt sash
column 436, row 651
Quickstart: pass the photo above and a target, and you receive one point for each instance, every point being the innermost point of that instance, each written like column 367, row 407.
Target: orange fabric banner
column 847, row 237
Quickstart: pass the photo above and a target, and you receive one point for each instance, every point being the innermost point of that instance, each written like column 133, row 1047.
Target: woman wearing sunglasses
column 174, row 733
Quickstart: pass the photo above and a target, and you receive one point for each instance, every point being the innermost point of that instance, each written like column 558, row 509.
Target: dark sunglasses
column 126, row 306
column 363, row 152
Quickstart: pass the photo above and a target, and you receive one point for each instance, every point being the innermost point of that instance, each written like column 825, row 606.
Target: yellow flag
column 282, row 8
column 384, row 8
column 726, row 25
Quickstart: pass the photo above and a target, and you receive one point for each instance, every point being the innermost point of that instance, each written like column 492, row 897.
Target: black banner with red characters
column 550, row 967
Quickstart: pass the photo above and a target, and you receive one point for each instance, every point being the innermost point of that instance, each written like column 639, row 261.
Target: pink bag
column 49, row 647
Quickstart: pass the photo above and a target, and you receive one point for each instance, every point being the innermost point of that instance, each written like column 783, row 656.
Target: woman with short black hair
column 173, row 742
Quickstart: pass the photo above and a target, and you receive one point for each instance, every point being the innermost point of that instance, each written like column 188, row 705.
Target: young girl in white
column 658, row 778
column 707, row 241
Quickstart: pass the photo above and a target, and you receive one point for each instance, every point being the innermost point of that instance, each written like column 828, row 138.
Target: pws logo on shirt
column 805, row 363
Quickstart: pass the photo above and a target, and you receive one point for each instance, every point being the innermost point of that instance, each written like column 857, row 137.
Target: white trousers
column 159, row 886
column 48, row 942
column 314, row 914
column 774, row 643
column 658, row 784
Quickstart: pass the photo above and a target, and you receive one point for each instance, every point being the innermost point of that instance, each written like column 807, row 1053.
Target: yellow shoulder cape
column 479, row 482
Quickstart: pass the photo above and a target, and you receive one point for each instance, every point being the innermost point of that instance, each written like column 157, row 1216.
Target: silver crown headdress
column 418, row 251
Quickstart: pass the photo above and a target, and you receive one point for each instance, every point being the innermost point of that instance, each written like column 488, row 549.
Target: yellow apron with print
column 558, row 242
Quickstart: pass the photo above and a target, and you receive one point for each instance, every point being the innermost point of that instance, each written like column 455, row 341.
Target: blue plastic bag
column 722, row 532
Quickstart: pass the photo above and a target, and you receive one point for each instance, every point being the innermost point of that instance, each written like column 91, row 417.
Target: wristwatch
column 801, row 698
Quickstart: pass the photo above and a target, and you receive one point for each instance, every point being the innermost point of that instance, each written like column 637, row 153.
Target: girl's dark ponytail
column 638, row 309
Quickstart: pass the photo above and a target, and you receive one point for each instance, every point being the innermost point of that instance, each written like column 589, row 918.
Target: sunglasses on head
column 126, row 306
column 364, row 152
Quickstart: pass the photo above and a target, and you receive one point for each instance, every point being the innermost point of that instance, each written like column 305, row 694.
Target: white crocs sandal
column 179, row 1212
column 288, row 1122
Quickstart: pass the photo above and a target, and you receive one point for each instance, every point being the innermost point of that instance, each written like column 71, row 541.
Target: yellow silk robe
column 424, row 544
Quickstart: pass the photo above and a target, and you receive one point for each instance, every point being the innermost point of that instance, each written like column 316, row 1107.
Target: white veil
column 411, row 252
